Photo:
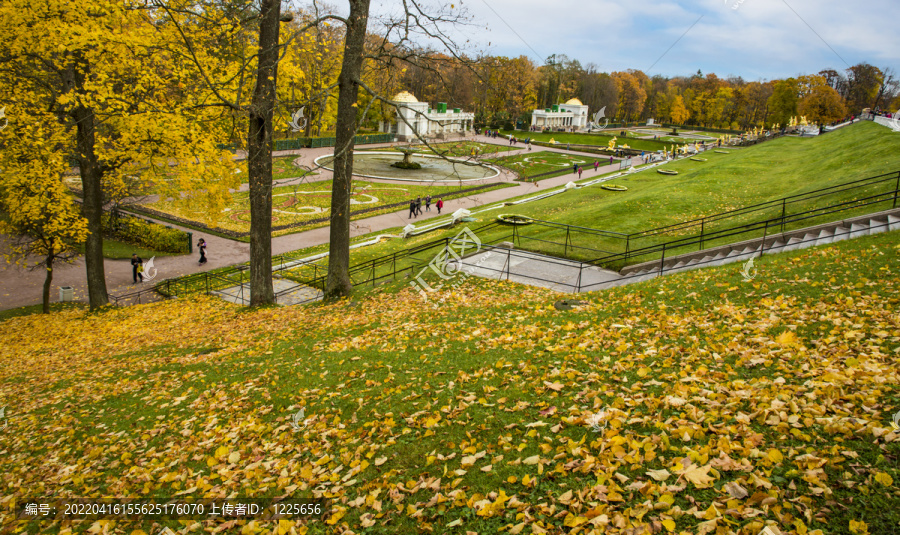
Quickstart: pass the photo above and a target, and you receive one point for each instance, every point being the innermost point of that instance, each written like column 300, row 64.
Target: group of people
column 415, row 206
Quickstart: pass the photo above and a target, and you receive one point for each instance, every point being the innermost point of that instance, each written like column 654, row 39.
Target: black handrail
column 769, row 204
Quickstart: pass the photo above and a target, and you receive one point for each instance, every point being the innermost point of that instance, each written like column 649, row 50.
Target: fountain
column 429, row 168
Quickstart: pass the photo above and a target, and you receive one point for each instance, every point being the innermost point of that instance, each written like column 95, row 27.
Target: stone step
column 841, row 233
column 878, row 224
column 792, row 244
column 858, row 229
column 893, row 222
column 826, row 236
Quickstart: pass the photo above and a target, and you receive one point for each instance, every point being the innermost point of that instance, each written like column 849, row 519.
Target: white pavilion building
column 571, row 116
column 414, row 116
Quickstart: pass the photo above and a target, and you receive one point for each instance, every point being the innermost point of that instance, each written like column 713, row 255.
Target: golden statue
column 612, row 143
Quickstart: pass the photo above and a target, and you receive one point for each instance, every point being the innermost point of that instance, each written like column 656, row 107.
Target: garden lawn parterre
column 694, row 403
column 596, row 140
column 308, row 201
column 534, row 163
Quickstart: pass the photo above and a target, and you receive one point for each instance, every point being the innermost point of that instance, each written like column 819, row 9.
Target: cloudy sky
column 755, row 39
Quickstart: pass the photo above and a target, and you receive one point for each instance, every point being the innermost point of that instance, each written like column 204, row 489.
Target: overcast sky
column 755, row 39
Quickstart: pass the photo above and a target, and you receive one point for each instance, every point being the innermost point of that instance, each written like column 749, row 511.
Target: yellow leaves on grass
column 697, row 475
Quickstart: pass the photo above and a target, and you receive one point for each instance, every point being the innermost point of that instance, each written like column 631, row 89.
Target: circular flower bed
column 514, row 219
column 613, row 187
column 666, row 172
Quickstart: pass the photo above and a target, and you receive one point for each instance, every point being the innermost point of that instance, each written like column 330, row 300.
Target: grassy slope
column 474, row 411
column 597, row 140
column 743, row 177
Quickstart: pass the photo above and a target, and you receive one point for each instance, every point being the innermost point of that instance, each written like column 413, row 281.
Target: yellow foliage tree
column 126, row 106
column 42, row 221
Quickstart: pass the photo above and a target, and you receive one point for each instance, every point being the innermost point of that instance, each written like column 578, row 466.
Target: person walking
column 574, row 169
column 418, row 205
column 428, row 203
column 440, row 204
column 412, row 209
column 137, row 268
column 596, row 165
column 610, row 160
column 202, row 246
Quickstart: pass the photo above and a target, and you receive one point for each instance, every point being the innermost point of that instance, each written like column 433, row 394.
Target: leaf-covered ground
column 695, row 403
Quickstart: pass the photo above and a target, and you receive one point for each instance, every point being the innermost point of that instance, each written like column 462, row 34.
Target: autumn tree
column 822, row 105
column 42, row 221
column 97, row 67
column 631, row 96
column 240, row 46
column 783, row 102
column 412, row 29
column 863, row 82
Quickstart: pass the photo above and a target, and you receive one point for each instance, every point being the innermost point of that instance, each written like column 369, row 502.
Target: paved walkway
column 19, row 287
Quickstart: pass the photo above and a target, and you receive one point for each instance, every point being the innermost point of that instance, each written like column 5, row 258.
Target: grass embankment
column 743, row 177
column 771, row 170
column 595, row 140
column 688, row 404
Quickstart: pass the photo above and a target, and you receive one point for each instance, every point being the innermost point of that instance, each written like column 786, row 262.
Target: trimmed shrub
column 146, row 234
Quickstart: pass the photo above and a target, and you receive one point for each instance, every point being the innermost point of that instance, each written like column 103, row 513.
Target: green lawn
column 540, row 162
column 594, row 140
column 690, row 403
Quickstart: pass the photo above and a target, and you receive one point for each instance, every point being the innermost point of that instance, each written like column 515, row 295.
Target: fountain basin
column 377, row 164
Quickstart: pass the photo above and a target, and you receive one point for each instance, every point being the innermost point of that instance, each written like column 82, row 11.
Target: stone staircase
column 776, row 243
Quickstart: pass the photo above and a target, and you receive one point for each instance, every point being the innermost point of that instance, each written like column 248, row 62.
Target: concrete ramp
column 559, row 274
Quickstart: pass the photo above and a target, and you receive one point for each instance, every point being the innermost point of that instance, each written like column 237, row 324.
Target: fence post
column 508, row 266
column 190, row 242
column 896, row 188
column 566, row 246
column 206, row 278
column 702, row 229
column 762, row 248
column 662, row 262
column 783, row 212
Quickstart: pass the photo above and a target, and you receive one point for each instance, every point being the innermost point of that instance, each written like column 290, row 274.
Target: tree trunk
column 259, row 157
column 91, row 184
column 338, row 284
column 47, row 282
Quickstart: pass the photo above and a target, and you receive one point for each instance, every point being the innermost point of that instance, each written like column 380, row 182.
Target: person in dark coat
column 202, row 246
column 428, row 203
column 137, row 265
column 412, row 209
column 418, row 205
